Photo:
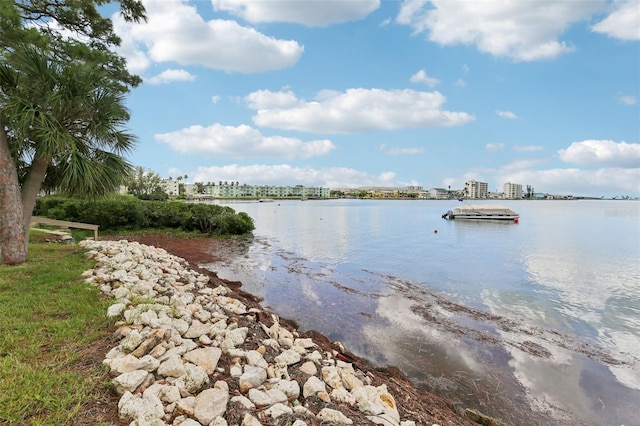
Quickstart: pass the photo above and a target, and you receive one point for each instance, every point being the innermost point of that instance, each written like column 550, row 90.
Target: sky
column 353, row 93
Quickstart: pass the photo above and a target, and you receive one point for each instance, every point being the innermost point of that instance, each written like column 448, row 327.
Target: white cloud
column 507, row 115
column 356, row 110
column 628, row 99
column 266, row 99
column 422, row 77
column 215, row 99
column 573, row 181
column 241, row 142
column 494, row 146
column 170, row 75
column 520, row 30
column 313, row 13
column 284, row 174
column 175, row 32
column 623, row 23
column 528, row 148
column 396, row 150
column 602, row 152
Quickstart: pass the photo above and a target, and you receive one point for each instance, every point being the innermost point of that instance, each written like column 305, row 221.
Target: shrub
column 119, row 212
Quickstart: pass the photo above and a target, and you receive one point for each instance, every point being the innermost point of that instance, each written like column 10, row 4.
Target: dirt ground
column 422, row 407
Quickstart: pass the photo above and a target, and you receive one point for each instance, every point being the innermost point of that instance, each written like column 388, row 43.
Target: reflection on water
column 547, row 310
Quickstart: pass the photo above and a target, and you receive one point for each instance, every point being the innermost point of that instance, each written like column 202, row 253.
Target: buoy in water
column 515, row 220
column 435, row 231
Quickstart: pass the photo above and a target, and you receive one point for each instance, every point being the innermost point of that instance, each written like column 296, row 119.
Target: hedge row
column 122, row 212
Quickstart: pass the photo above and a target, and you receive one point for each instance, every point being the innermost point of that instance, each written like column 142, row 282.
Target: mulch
column 413, row 404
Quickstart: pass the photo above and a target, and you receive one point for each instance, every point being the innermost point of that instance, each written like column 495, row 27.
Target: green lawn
column 48, row 319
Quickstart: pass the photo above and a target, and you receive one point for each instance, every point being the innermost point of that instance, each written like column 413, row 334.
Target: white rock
column 252, row 377
column 148, row 363
column 129, row 381
column 315, row 356
column 180, row 325
column 197, row 329
column 256, row 359
column 178, row 350
column 260, row 398
column 219, row 421
column 291, row 388
column 309, row 368
column 185, row 405
column 166, row 393
column 244, row 401
column 277, row 410
column 141, row 408
column 304, row 343
column 343, row 395
column 312, row 386
column 172, row 367
column 116, row 310
column 249, row 420
column 190, row 422
column 331, row 376
column 206, row 358
column 333, row 416
column 210, row 404
column 277, row 395
column 123, row 364
column 193, row 381
column 278, row 371
column 386, row 400
column 231, row 304
column 287, row 357
column 350, row 381
column 131, row 341
column 235, row 370
column 237, row 335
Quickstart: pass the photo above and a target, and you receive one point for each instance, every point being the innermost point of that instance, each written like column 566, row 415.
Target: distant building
column 170, row 186
column 512, row 191
column 438, row 193
column 236, row 190
column 475, row 189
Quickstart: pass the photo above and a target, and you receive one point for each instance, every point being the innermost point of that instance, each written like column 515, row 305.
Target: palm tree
column 66, row 126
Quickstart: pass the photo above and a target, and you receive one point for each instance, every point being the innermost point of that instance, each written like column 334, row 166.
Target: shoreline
column 481, row 391
column 425, row 408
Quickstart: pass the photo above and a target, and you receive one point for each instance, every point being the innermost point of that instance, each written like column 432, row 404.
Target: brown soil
column 413, row 404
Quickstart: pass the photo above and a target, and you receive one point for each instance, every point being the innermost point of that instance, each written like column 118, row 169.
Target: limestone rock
column 210, row 404
column 333, row 416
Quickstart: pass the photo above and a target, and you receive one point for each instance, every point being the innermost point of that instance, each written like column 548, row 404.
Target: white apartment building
column 475, row 189
column 235, row 190
column 170, row 186
column 512, row 191
column 438, row 193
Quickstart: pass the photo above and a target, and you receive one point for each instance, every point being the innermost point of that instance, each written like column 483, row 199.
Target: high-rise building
column 475, row 189
column 512, row 191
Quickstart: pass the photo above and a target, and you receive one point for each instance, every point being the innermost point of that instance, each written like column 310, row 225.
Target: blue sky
column 349, row 93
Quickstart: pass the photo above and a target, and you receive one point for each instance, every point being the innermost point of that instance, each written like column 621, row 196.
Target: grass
column 48, row 319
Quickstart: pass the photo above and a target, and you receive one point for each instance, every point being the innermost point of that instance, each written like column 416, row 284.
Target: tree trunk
column 13, row 240
column 31, row 188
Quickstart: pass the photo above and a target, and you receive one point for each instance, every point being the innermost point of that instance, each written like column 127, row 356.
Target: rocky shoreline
column 191, row 351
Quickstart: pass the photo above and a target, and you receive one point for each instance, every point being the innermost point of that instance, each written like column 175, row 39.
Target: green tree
column 146, row 185
column 61, row 107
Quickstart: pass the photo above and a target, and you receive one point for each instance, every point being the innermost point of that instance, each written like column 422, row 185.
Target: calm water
column 542, row 315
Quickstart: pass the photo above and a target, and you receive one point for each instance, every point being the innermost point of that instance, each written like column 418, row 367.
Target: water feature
column 501, row 317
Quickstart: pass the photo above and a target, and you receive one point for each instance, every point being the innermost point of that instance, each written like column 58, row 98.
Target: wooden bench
column 64, row 224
